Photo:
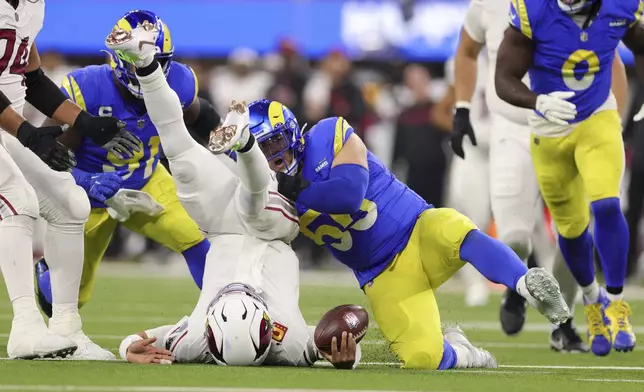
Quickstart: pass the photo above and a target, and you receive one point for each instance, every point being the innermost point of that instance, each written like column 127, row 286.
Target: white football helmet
column 238, row 328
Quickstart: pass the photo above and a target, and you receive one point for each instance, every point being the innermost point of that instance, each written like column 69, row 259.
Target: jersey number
column 19, row 65
column 574, row 60
column 135, row 162
column 341, row 230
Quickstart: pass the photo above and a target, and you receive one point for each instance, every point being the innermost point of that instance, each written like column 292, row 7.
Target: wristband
column 125, row 344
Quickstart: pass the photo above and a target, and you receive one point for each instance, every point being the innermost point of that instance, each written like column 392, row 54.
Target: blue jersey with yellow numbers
column 569, row 58
column 94, row 89
column 368, row 240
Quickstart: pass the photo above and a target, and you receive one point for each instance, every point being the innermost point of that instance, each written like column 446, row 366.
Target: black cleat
column 565, row 339
column 512, row 312
column 45, row 305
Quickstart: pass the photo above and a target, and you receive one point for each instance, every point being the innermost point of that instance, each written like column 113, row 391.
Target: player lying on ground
column 112, row 90
column 28, row 187
column 250, row 227
column 568, row 48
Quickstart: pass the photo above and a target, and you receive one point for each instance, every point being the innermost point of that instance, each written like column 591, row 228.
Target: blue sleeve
column 81, row 178
column 523, row 14
column 183, row 81
column 80, row 87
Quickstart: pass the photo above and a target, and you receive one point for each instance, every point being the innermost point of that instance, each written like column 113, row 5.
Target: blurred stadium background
column 380, row 64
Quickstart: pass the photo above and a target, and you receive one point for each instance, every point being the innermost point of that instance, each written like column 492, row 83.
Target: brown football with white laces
column 352, row 319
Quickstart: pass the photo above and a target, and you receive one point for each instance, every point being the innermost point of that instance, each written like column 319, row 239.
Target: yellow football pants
column 585, row 166
column 402, row 296
column 173, row 228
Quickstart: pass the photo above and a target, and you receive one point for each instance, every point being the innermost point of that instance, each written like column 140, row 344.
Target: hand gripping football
column 350, row 318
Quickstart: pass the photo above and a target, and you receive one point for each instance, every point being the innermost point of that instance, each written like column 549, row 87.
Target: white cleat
column 30, row 339
column 468, row 356
column 136, row 46
column 545, row 295
column 70, row 326
column 88, row 350
column 234, row 132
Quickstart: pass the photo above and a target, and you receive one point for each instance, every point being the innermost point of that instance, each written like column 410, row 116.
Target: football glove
column 42, row 141
column 129, row 201
column 99, row 186
column 461, row 127
column 290, row 186
column 640, row 115
column 109, row 133
column 554, row 107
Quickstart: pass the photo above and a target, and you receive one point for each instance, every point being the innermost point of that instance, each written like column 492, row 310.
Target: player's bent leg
column 173, row 228
column 600, row 158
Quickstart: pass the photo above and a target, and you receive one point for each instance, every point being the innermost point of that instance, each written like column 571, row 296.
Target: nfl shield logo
column 141, row 123
column 351, row 320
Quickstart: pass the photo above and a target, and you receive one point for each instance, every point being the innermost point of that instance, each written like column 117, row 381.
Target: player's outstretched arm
column 513, row 61
column 42, row 141
column 201, row 117
column 146, row 347
column 634, row 41
column 619, row 84
column 45, row 96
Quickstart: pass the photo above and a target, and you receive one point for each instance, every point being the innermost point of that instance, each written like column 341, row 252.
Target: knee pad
column 71, row 206
column 520, row 243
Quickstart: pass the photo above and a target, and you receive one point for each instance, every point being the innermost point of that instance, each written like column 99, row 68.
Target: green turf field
column 122, row 306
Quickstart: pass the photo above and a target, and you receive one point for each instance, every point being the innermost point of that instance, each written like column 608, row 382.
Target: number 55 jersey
column 368, row 240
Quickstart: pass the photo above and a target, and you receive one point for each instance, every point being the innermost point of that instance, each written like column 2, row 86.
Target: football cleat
column 136, row 46
column 30, row 339
column 618, row 314
column 70, row 327
column 43, row 286
column 512, row 313
column 468, row 356
column 566, row 339
column 546, row 296
column 234, row 132
column 598, row 331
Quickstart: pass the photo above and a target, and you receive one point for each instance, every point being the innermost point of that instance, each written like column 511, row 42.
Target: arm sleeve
column 255, row 176
column 474, row 22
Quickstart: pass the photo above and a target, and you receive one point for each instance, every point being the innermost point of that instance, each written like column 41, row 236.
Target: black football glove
column 109, row 133
column 290, row 186
column 461, row 126
column 42, row 141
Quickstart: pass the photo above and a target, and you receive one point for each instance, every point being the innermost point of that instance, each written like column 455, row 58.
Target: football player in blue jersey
column 400, row 248
column 113, row 91
column 568, row 47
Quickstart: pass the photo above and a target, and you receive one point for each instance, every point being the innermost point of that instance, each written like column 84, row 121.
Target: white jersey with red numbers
column 18, row 30
column 485, row 22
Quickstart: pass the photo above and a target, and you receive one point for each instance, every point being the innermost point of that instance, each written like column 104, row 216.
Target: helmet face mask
column 124, row 71
column 278, row 135
column 238, row 328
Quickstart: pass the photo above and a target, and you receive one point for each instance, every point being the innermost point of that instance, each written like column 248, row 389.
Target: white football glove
column 640, row 115
column 554, row 107
column 128, row 201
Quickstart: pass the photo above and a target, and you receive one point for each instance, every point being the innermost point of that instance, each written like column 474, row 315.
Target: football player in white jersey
column 471, row 176
column 29, row 187
column 250, row 226
column 515, row 196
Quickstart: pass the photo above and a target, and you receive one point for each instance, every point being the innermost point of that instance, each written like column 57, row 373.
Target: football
column 350, row 318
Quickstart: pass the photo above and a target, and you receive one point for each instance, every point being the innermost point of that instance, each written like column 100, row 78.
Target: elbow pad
column 42, row 93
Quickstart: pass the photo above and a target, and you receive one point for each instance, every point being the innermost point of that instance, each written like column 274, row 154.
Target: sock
column 578, row 254
column 493, row 259
column 64, row 251
column 16, row 262
column 591, row 292
column 615, row 297
column 611, row 240
column 449, row 359
column 196, row 260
